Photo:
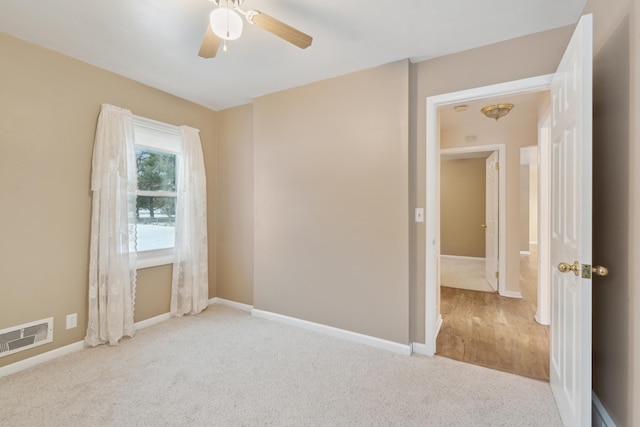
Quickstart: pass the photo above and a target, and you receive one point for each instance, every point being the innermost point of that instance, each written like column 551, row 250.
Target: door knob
column 484, row 226
column 565, row 268
column 599, row 270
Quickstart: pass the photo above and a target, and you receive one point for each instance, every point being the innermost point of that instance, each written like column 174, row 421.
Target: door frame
column 433, row 319
column 543, row 308
column 502, row 197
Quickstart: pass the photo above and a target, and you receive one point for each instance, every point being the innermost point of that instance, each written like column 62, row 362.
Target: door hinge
column 497, row 165
column 497, row 274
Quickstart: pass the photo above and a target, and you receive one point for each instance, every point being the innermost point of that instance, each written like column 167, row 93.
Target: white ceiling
column 156, row 41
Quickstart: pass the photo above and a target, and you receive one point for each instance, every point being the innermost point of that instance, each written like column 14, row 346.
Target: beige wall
column 48, row 112
column 462, row 207
column 331, row 202
column 529, row 56
column 235, row 205
column 616, row 239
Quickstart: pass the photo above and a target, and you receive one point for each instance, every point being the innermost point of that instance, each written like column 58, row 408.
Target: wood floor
column 497, row 332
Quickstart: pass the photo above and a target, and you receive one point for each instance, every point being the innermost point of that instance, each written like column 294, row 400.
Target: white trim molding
column 232, row 304
column 599, row 414
column 432, row 154
column 510, row 294
column 419, row 348
column 40, row 358
column 30, row 362
column 152, row 321
column 460, row 257
column 404, row 349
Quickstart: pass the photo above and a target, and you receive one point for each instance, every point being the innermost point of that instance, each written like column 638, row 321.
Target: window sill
column 149, row 259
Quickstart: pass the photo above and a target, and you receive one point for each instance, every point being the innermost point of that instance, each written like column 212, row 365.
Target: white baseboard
column 233, row 304
column 511, row 294
column 472, row 258
column 40, row 358
column 419, row 348
column 404, row 349
column 600, row 416
column 68, row 349
column 152, row 321
column 539, row 320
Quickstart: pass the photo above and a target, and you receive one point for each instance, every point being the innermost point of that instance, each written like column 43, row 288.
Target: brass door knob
column 565, row 268
column 484, row 226
column 599, row 270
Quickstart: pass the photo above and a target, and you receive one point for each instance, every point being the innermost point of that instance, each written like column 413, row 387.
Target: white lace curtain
column 112, row 266
column 190, row 284
column 112, row 263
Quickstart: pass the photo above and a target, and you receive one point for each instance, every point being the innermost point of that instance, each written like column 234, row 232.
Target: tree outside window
column 156, row 200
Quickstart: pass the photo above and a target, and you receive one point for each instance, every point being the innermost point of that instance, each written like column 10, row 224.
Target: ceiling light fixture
column 460, row 108
column 496, row 111
column 225, row 22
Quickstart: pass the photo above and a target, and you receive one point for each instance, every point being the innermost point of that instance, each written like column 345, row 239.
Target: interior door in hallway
column 571, row 166
column 492, row 193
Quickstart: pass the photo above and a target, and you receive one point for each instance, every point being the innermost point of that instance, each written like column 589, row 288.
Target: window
column 158, row 147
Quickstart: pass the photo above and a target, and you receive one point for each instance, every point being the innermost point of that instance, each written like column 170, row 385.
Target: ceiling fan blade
column 281, row 30
column 210, row 44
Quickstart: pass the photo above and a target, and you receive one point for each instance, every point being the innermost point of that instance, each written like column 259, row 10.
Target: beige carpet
column 226, row 368
column 463, row 273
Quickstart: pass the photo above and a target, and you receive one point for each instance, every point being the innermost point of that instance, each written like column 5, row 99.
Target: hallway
column 496, row 332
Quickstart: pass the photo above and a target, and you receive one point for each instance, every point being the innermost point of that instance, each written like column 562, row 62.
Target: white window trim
column 154, row 258
column 146, row 259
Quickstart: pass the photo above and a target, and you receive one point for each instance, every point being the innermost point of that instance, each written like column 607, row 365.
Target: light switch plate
column 419, row 214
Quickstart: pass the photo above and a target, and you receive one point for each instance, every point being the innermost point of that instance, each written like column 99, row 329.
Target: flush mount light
column 460, row 108
column 496, row 111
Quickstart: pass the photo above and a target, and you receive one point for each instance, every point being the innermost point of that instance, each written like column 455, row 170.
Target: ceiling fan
column 225, row 24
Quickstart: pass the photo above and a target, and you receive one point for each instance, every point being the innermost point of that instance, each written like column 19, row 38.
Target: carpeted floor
column 227, row 368
column 464, row 273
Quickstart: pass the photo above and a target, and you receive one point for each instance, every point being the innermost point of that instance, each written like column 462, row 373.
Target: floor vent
column 25, row 336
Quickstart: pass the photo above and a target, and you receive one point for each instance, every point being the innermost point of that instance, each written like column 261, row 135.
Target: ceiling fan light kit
column 496, row 111
column 225, row 23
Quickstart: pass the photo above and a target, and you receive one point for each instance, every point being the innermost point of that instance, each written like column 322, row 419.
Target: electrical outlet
column 419, row 214
column 72, row 320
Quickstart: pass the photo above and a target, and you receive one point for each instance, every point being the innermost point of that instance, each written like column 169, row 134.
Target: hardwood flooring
column 497, row 332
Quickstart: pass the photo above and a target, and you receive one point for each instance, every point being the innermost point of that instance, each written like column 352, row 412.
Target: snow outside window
column 158, row 147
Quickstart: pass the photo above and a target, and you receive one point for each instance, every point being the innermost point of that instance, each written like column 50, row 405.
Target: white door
column 491, row 221
column 571, row 229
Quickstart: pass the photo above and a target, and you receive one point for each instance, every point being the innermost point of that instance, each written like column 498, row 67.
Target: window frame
column 170, row 142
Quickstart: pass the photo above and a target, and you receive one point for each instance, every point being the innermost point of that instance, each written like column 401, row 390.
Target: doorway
column 487, row 329
column 433, row 318
column 472, row 208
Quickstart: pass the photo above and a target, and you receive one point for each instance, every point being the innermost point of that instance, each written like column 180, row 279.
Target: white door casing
column 543, row 309
column 492, row 194
column 571, row 186
column 432, row 208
